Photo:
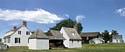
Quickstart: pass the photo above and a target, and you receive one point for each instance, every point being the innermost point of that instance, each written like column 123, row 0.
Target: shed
column 86, row 36
column 55, row 38
column 96, row 41
column 72, row 38
column 38, row 41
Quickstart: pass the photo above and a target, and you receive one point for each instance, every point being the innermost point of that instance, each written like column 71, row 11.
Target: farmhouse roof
column 12, row 31
column 38, row 35
column 72, row 33
column 55, row 35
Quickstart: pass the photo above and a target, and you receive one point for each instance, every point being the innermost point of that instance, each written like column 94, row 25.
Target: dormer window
column 27, row 33
column 19, row 32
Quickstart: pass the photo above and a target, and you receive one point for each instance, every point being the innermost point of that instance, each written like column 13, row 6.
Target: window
column 72, row 41
column 19, row 32
column 17, row 40
column 28, row 40
column 27, row 33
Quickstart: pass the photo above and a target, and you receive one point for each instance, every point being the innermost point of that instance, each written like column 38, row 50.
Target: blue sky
column 98, row 15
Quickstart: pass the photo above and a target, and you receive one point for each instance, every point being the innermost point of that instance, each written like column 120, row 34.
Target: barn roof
column 72, row 33
column 117, row 37
column 55, row 35
column 38, row 35
column 89, row 34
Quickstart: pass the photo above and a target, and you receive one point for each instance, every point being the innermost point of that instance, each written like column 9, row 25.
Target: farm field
column 85, row 48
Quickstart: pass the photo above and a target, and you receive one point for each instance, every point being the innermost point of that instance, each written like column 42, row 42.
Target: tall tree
column 114, row 32
column 106, row 36
column 79, row 28
column 68, row 23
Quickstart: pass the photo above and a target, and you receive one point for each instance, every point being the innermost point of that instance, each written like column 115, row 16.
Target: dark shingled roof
column 55, row 35
column 89, row 34
column 15, row 29
column 72, row 33
column 38, row 35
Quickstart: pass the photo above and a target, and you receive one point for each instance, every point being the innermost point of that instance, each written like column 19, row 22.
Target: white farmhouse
column 72, row 38
column 17, row 36
column 38, row 41
column 117, row 39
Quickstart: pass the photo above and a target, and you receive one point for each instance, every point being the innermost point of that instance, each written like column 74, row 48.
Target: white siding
column 96, row 41
column 116, row 41
column 66, row 41
column 38, row 44
column 70, row 44
column 23, row 37
column 62, row 31
column 75, row 44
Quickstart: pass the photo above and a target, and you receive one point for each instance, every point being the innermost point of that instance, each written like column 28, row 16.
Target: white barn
column 72, row 38
column 17, row 36
column 38, row 41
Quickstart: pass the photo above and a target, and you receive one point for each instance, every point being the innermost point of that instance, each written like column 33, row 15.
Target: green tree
column 79, row 28
column 106, row 36
column 113, row 33
column 68, row 23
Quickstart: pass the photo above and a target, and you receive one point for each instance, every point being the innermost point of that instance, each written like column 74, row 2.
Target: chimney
column 24, row 23
column 14, row 28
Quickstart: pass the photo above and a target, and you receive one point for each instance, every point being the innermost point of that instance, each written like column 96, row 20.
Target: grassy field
column 85, row 48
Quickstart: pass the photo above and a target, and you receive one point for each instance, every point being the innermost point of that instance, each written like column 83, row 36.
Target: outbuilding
column 38, row 41
column 55, row 39
column 117, row 39
column 72, row 38
column 96, row 41
column 87, row 36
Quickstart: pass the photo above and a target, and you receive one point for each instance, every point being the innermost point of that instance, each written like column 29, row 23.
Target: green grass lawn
column 85, row 48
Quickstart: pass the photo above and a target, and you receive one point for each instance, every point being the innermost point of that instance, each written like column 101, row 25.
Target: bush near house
column 85, row 48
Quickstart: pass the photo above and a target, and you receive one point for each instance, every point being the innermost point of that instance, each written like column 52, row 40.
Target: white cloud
column 121, row 11
column 79, row 18
column 67, row 15
column 38, row 15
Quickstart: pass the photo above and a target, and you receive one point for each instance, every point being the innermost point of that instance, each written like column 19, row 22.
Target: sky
column 95, row 15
